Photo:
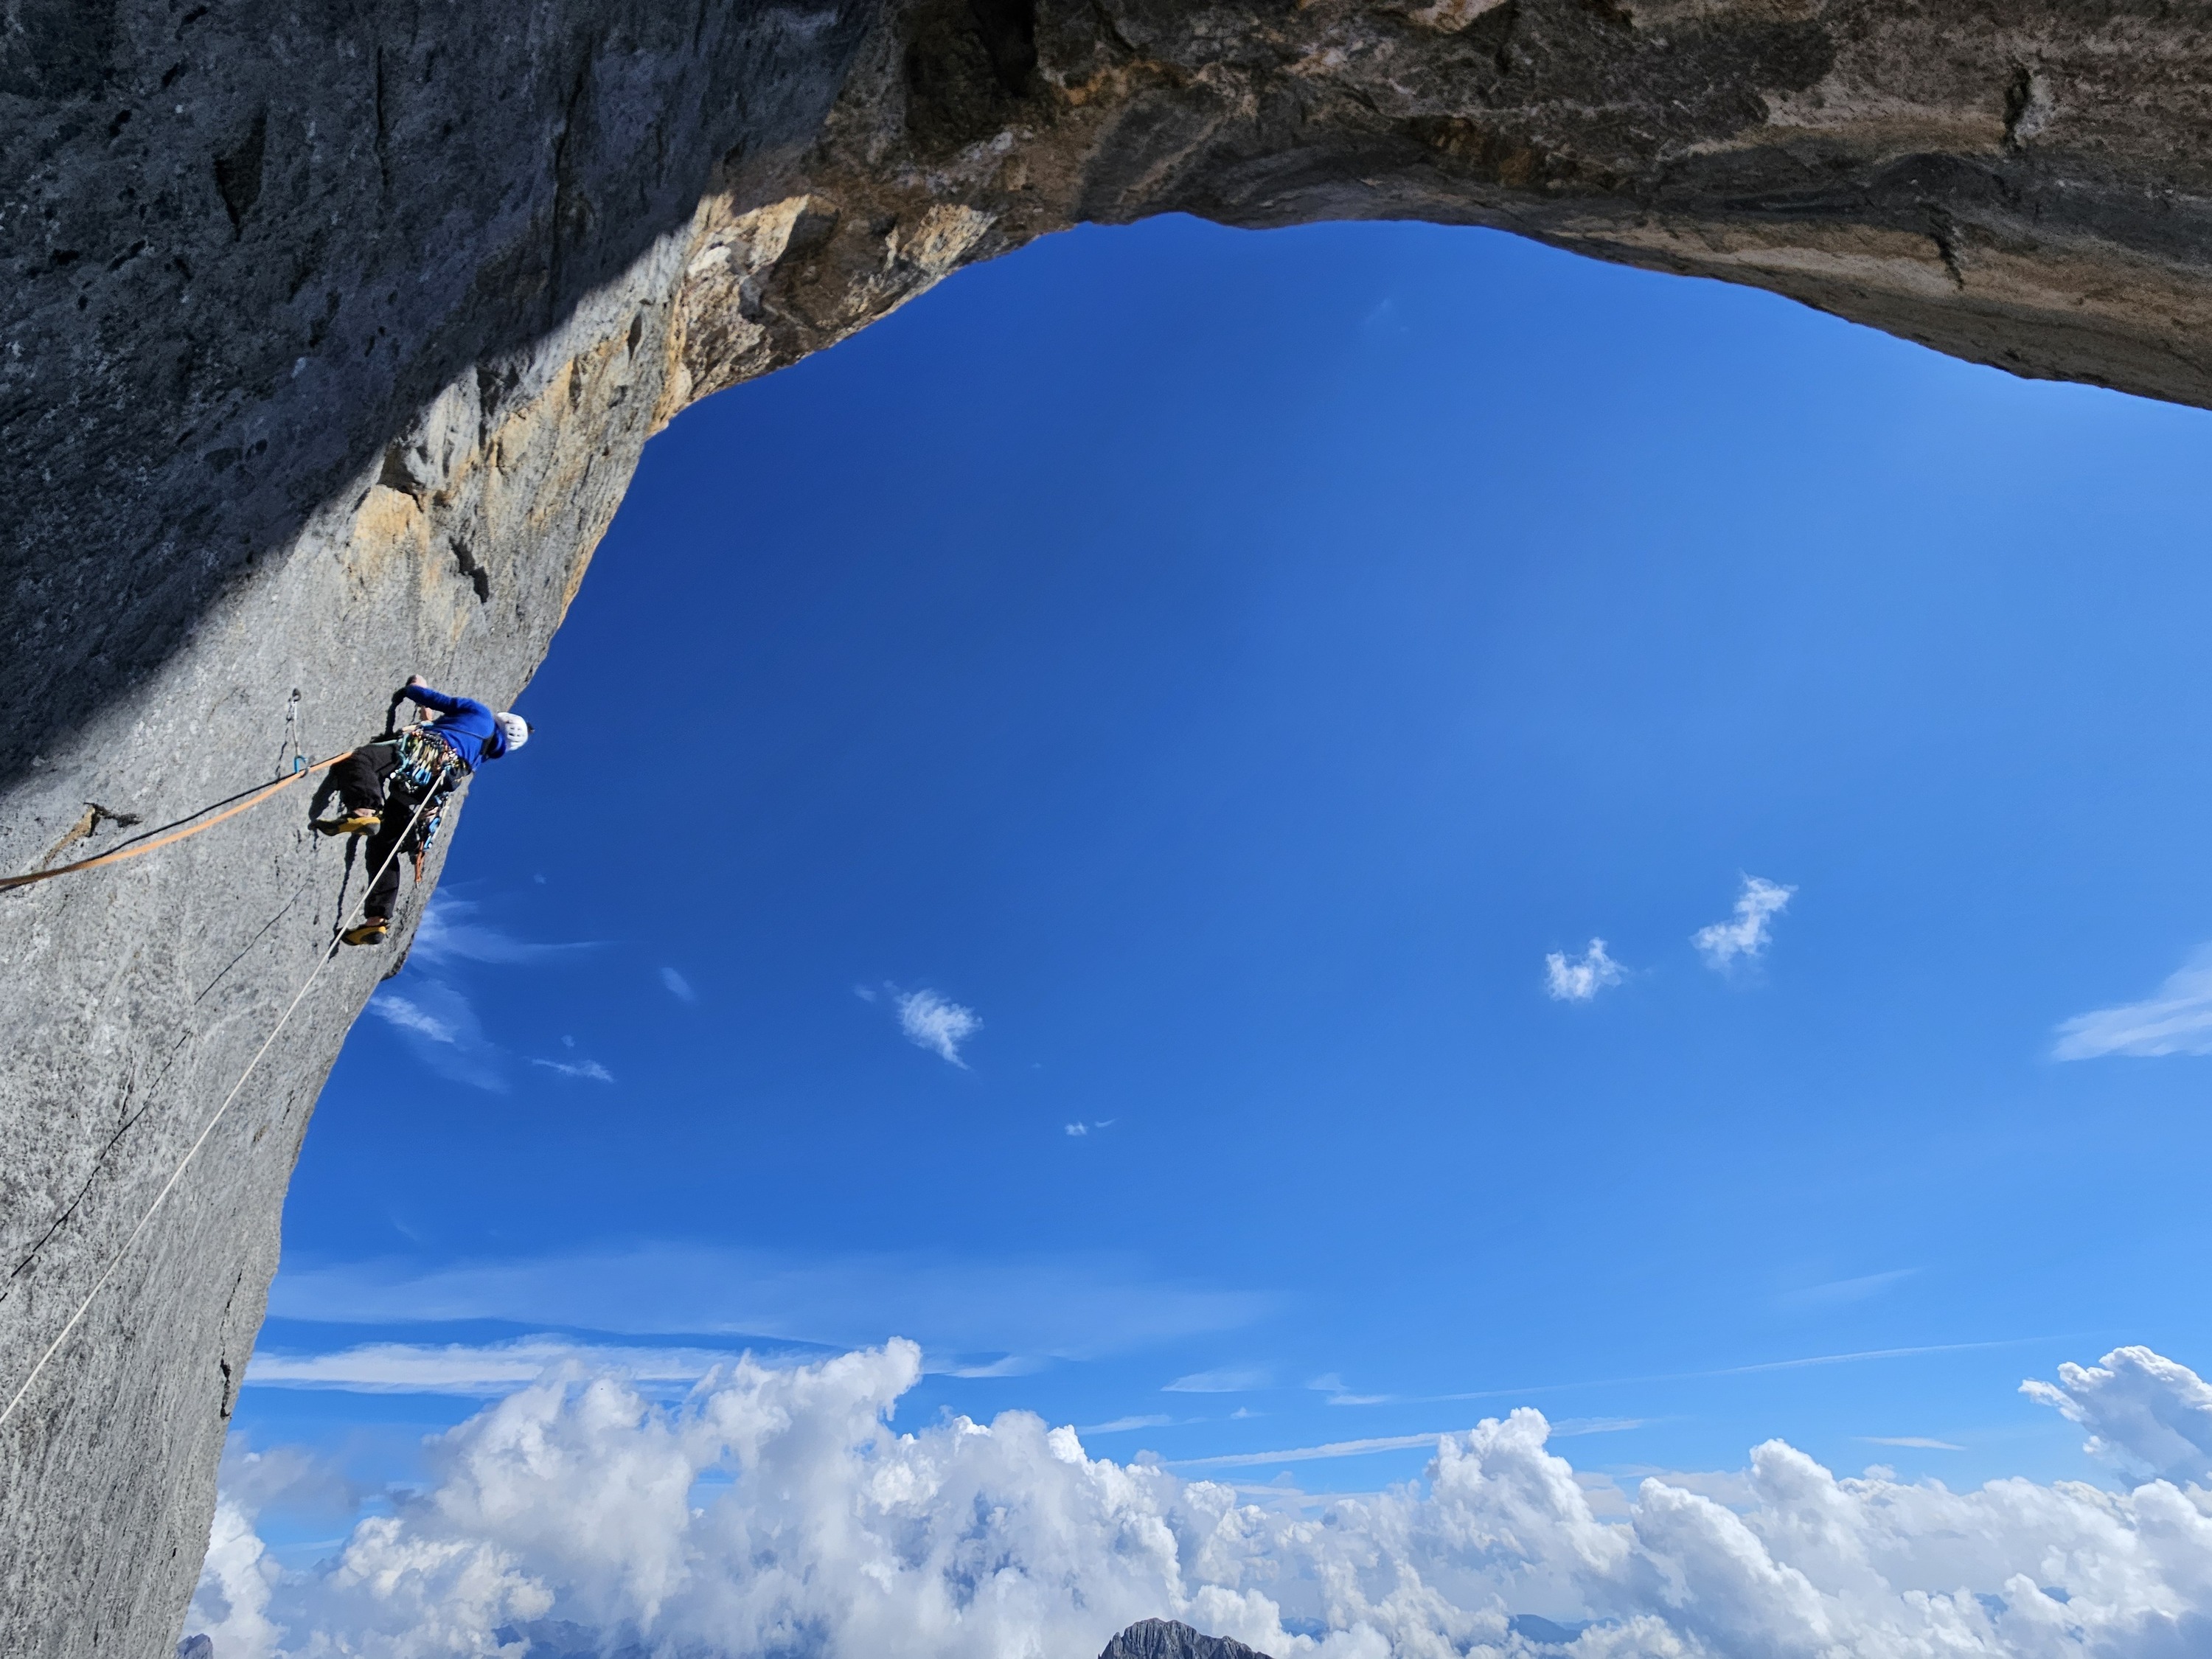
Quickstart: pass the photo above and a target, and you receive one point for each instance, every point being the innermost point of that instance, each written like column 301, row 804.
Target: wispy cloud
column 965, row 1310
column 410, row 1016
column 1859, row 1356
column 452, row 931
column 1218, row 1381
column 1916, row 1442
column 1311, row 1454
column 1125, row 1425
column 1332, row 1385
column 473, row 1370
column 678, row 986
column 1578, row 979
column 584, row 1068
column 2174, row 1019
column 1746, row 932
column 1086, row 1129
column 1012, row 1364
column 435, row 1017
column 1842, row 1291
column 936, row 1022
column 1569, row 1427
column 439, row 1026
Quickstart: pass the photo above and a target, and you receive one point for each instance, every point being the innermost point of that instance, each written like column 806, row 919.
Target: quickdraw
column 428, row 770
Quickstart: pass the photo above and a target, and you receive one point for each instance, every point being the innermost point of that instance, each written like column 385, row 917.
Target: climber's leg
column 359, row 781
column 385, row 857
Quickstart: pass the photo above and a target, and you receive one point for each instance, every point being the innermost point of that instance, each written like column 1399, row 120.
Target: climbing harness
column 177, row 1174
column 427, row 767
column 152, row 838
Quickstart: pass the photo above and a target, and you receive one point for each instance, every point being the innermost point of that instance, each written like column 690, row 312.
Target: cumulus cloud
column 2174, row 1019
column 775, row 1511
column 1578, row 979
column 2146, row 1415
column 1746, row 932
column 936, row 1022
column 237, row 1583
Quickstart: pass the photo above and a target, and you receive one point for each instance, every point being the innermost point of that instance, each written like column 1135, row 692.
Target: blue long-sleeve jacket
column 464, row 724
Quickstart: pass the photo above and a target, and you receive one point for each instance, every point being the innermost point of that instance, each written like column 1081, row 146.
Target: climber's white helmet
column 514, row 728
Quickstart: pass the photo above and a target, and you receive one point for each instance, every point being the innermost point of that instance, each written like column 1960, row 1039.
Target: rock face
column 1166, row 1638
column 331, row 337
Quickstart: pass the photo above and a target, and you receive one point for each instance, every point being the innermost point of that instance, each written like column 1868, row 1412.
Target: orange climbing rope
column 254, row 799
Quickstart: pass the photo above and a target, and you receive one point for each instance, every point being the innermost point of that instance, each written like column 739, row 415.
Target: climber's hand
column 416, row 679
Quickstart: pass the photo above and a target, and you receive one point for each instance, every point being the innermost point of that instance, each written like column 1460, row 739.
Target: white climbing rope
column 177, row 1174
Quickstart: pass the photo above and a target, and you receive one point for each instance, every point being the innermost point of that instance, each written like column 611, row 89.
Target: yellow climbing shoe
column 371, row 932
column 354, row 824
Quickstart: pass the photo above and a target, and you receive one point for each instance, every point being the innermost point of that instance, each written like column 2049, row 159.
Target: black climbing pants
column 363, row 779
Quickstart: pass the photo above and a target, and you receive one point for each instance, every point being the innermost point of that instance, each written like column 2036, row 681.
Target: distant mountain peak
column 1168, row 1638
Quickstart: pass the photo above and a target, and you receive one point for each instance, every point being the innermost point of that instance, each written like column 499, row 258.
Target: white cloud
column 1220, row 1382
column 776, row 1511
column 439, row 1027
column 1089, row 1128
column 1578, row 978
column 435, row 1017
column 410, row 1016
column 450, row 932
column 1746, row 932
column 237, row 1583
column 1047, row 1307
column 1917, row 1441
column 478, row 1370
column 936, row 1022
column 1332, row 1385
column 1839, row 1291
column 678, row 986
column 1125, row 1425
column 2146, row 1415
column 586, row 1068
column 1313, row 1454
column 2174, row 1019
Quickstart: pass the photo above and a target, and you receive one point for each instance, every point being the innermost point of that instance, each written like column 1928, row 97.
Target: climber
column 393, row 790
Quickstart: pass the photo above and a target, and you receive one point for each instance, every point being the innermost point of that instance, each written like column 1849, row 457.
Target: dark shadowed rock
column 197, row 1647
column 1169, row 1639
column 329, row 336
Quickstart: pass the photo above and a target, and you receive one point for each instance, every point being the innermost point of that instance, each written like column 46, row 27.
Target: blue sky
column 1220, row 668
